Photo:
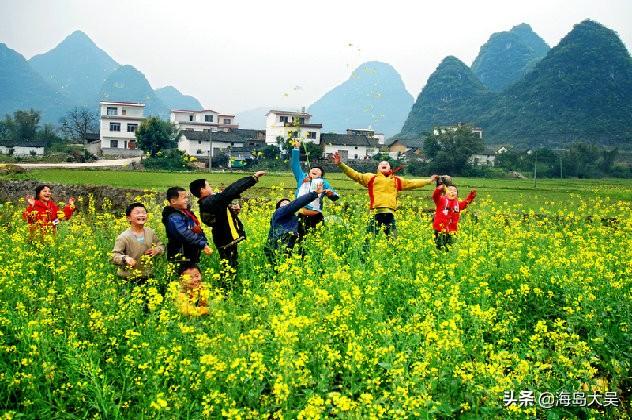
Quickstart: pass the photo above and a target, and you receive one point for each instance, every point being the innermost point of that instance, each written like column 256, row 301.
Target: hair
column 187, row 266
column 39, row 189
column 174, row 192
column 196, row 187
column 322, row 175
column 278, row 204
column 132, row 206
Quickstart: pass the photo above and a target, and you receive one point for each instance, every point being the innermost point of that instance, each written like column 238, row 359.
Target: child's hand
column 296, row 144
column 29, row 199
column 208, row 250
column 131, row 262
column 434, row 178
column 329, row 193
column 473, row 193
column 71, row 201
column 319, row 188
column 335, row 157
column 152, row 252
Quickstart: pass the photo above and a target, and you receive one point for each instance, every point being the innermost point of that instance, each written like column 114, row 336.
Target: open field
column 567, row 193
column 541, row 304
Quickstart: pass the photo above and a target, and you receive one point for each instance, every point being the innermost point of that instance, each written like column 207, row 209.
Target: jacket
column 184, row 234
column 383, row 189
column 303, row 183
column 46, row 215
column 284, row 222
column 214, row 212
column 126, row 245
column 448, row 211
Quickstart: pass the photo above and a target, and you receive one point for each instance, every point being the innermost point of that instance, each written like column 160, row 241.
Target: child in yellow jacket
column 383, row 187
column 192, row 298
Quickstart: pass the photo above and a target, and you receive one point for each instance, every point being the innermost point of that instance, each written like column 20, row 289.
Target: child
column 448, row 213
column 43, row 213
column 192, row 298
column 312, row 214
column 383, row 188
column 284, row 224
column 134, row 248
column 185, row 238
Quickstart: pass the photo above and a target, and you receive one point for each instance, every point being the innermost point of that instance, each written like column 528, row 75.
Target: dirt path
column 97, row 164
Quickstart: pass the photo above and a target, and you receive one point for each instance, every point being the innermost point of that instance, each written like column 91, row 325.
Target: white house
column 198, row 143
column 350, row 146
column 442, row 129
column 369, row 133
column 205, row 120
column 119, row 121
column 288, row 124
column 487, row 156
column 24, row 148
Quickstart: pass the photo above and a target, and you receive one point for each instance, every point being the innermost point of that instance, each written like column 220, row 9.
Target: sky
column 238, row 55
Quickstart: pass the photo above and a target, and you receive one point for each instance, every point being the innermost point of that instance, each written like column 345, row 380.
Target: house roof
column 302, row 114
column 92, row 136
column 410, row 143
column 23, row 143
column 237, row 135
column 122, row 103
column 189, row 111
column 347, row 140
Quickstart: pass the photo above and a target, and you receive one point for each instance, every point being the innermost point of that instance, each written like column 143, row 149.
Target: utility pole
column 535, row 169
column 560, row 166
column 210, row 148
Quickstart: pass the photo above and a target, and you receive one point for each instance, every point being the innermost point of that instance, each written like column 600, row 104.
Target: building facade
column 288, row 124
column 118, row 124
column 350, row 146
column 205, row 120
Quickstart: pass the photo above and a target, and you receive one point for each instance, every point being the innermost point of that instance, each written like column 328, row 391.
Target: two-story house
column 350, row 146
column 118, row 125
column 205, row 120
column 288, row 124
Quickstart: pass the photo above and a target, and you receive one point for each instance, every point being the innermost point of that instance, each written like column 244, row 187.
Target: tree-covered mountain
column 373, row 96
column 582, row 90
column 174, row 99
column 507, row 56
column 449, row 97
column 130, row 85
column 22, row 88
column 76, row 67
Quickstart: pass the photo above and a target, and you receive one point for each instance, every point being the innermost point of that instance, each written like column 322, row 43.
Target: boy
column 217, row 212
column 192, row 298
column 312, row 214
column 185, row 238
column 134, row 248
column 383, row 188
column 447, row 214
column 284, row 224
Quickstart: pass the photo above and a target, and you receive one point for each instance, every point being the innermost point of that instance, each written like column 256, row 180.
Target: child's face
column 315, row 173
column 451, row 192
column 138, row 216
column 181, row 202
column 192, row 278
column 384, row 167
column 45, row 194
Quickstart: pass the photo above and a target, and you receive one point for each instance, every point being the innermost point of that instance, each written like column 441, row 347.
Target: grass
column 555, row 193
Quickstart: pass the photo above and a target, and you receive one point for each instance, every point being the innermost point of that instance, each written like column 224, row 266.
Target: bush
column 170, row 160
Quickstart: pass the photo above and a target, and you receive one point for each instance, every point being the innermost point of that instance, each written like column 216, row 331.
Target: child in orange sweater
column 192, row 299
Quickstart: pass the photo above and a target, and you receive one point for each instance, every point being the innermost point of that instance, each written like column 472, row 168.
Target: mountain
column 76, row 67
column 507, row 56
column 373, row 96
column 130, row 85
column 449, row 96
column 23, row 88
column 173, row 99
column 581, row 90
column 254, row 118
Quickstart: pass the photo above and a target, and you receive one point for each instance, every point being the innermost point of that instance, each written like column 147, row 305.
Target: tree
column 450, row 150
column 78, row 122
column 270, row 152
column 154, row 135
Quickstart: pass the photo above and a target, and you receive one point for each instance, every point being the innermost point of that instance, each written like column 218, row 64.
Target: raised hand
column 335, row 158
column 208, row 250
column 296, row 144
column 131, row 262
column 259, row 174
column 71, row 201
column 29, row 199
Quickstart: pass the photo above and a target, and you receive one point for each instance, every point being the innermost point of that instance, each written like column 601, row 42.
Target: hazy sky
column 236, row 55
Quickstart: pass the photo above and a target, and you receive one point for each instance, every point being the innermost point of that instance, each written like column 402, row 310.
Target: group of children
column 291, row 221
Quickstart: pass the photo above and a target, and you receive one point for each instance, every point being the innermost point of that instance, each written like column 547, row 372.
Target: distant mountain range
column 78, row 73
column 581, row 90
column 507, row 56
column 374, row 96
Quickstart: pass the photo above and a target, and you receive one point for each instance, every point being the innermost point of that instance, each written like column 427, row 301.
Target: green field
column 567, row 193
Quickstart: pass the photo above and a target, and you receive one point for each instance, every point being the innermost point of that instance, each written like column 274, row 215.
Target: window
column 190, row 117
column 226, row 120
column 114, row 144
column 115, row 126
column 199, row 151
column 124, row 111
column 131, row 128
column 355, row 156
column 311, row 134
column 356, row 147
column 188, row 129
column 199, row 141
column 283, row 118
column 232, row 143
column 208, row 118
column 112, row 110
column 301, row 120
column 207, row 130
column 292, row 134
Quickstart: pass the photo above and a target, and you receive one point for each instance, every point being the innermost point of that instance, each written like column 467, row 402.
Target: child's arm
column 436, row 195
column 179, row 227
column 362, row 179
column 119, row 253
column 470, row 197
column 295, row 205
column 69, row 209
column 330, row 192
column 411, row 184
column 156, row 246
column 295, row 164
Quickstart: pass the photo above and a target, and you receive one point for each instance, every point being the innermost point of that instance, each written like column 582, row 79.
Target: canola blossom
column 524, row 300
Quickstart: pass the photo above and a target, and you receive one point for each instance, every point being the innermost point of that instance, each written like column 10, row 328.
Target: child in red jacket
column 42, row 213
column 447, row 214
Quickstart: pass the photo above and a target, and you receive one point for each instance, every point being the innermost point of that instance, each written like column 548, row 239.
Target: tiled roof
column 347, row 140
